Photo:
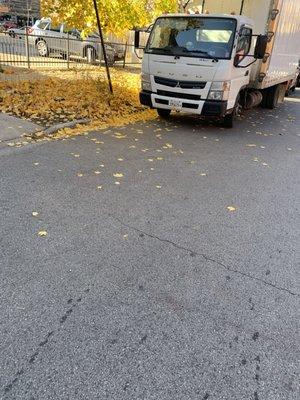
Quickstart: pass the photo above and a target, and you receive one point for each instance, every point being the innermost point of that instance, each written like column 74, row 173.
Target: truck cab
column 197, row 64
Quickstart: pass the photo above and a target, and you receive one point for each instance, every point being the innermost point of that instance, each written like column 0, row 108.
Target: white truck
column 236, row 54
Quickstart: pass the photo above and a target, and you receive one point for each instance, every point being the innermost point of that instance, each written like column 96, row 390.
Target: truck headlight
column 146, row 86
column 219, row 91
column 146, row 82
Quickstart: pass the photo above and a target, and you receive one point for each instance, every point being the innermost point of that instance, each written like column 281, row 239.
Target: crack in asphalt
column 207, row 258
column 31, row 360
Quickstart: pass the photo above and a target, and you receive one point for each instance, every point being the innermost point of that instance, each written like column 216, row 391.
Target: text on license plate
column 175, row 103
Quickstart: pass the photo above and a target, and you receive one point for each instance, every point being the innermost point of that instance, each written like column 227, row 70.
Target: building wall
column 22, row 7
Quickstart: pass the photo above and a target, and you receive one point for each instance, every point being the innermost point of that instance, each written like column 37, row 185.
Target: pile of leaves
column 70, row 96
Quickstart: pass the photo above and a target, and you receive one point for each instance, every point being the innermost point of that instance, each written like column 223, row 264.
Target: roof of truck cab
column 241, row 18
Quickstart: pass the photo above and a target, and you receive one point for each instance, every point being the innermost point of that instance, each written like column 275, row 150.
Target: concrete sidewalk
column 13, row 128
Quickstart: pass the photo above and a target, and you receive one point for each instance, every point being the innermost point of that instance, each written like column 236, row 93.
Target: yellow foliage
column 116, row 16
column 69, row 96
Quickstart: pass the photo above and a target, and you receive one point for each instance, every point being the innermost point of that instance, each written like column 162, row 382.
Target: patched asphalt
column 13, row 128
column 146, row 285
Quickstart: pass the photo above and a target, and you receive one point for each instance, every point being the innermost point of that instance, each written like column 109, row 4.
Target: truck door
column 241, row 76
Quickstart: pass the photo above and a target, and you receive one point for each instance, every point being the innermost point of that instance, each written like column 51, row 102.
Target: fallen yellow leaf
column 231, row 208
column 118, row 175
column 35, row 214
column 43, row 233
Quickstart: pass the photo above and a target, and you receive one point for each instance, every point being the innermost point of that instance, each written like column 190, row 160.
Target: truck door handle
column 247, row 73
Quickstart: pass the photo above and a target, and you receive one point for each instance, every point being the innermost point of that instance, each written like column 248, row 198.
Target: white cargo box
column 281, row 20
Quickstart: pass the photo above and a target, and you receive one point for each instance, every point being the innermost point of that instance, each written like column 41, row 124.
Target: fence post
column 125, row 54
column 68, row 51
column 27, row 48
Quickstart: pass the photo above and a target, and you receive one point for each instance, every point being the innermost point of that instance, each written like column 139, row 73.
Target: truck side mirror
column 149, row 29
column 260, row 47
column 137, row 39
column 236, row 60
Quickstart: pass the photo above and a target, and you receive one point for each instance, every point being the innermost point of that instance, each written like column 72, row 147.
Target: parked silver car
column 60, row 39
column 17, row 33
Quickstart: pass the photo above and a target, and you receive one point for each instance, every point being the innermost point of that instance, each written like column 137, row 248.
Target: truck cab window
column 196, row 37
column 244, row 42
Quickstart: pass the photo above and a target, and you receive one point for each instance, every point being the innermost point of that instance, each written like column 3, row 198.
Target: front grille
column 161, row 101
column 179, row 84
column 179, row 95
column 190, row 105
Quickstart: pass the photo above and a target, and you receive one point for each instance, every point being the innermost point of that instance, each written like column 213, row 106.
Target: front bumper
column 205, row 108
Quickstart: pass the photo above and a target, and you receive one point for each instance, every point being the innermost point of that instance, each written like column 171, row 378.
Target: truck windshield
column 205, row 37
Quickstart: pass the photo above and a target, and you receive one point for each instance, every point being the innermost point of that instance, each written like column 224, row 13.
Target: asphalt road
column 152, row 288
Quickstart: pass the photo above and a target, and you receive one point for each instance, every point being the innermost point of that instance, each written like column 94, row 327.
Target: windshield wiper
column 201, row 52
column 163, row 49
column 177, row 50
column 173, row 50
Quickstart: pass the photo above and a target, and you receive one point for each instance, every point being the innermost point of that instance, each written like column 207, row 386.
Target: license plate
column 177, row 104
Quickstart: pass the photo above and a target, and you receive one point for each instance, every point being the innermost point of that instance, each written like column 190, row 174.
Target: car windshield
column 42, row 24
column 205, row 37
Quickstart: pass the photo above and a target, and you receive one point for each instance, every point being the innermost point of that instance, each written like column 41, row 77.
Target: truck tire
column 270, row 97
column 163, row 113
column 228, row 120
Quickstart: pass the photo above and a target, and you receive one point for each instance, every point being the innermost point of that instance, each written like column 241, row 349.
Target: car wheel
column 110, row 60
column 42, row 48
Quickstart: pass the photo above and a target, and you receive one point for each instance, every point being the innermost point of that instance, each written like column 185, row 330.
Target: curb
column 55, row 128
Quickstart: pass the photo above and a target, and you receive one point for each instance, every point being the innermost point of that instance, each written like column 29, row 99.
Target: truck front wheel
column 228, row 120
column 163, row 113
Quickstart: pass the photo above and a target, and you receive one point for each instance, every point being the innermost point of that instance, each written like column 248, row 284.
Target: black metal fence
column 19, row 48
